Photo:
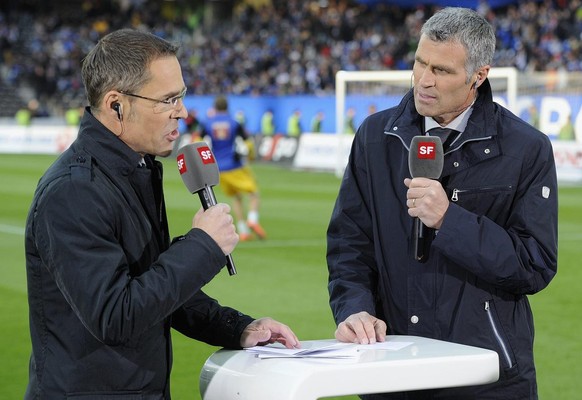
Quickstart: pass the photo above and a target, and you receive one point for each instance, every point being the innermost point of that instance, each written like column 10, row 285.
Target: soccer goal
column 360, row 93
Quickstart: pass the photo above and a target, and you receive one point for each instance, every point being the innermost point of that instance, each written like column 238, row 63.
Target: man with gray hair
column 490, row 220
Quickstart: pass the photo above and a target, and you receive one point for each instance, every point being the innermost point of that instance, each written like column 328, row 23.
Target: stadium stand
column 283, row 48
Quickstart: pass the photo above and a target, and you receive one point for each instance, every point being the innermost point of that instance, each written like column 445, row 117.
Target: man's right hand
column 361, row 328
column 218, row 223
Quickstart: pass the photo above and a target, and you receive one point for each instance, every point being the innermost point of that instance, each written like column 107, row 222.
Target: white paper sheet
column 332, row 350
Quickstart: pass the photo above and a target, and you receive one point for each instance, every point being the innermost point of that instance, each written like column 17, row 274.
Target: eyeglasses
column 161, row 106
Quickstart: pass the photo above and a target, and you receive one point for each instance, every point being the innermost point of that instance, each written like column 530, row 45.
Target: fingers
column 418, row 188
column 218, row 223
column 343, row 333
column 427, row 200
column 283, row 334
column 361, row 328
column 380, row 329
column 266, row 330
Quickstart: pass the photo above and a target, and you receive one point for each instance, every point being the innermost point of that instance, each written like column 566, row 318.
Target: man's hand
column 427, row 200
column 218, row 223
column 266, row 330
column 361, row 328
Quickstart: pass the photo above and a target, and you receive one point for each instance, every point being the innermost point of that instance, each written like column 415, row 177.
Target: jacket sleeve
column 350, row 248
column 74, row 230
column 519, row 254
column 202, row 318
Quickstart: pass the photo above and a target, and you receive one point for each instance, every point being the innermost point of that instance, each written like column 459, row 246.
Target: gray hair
column 467, row 27
column 120, row 61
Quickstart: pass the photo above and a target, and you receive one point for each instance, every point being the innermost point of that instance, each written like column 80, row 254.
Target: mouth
column 173, row 135
column 424, row 97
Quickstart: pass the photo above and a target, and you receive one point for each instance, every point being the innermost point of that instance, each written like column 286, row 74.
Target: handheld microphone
column 425, row 160
column 199, row 172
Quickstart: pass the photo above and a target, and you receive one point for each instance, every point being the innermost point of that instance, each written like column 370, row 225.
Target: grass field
column 283, row 277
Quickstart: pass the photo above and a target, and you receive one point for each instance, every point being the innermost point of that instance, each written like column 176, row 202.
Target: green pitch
column 284, row 277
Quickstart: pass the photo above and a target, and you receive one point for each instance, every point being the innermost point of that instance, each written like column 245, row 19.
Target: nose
column 426, row 78
column 180, row 112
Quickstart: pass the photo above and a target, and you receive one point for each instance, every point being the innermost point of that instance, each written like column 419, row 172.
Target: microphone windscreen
column 426, row 157
column 197, row 166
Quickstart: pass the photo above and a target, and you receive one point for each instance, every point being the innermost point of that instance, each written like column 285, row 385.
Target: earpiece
column 117, row 108
column 475, row 84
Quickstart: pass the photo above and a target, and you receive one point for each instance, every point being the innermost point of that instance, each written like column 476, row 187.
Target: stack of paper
column 337, row 350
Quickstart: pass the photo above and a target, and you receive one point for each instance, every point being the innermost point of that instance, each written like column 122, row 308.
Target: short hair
column 220, row 103
column 467, row 27
column 120, row 61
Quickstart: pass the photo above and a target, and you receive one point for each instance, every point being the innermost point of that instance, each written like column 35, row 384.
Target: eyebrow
column 174, row 94
column 439, row 66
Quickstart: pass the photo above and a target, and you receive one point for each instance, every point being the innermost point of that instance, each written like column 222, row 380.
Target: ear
column 482, row 74
column 112, row 105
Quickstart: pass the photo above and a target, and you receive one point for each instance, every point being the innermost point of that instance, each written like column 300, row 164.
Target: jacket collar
column 479, row 140
column 104, row 145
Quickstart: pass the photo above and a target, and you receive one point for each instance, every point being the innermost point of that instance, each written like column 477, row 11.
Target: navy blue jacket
column 497, row 243
column 104, row 282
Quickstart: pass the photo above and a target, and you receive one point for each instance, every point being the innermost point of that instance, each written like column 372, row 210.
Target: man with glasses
column 105, row 284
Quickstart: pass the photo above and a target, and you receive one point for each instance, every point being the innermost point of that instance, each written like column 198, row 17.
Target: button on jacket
column 105, row 284
column 497, row 243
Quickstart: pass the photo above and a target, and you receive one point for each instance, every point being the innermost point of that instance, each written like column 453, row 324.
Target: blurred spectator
column 192, row 130
column 567, row 130
column 533, row 116
column 294, row 128
column 267, row 124
column 241, row 118
column 73, row 116
column 350, row 123
column 192, row 123
column 316, row 122
column 23, row 116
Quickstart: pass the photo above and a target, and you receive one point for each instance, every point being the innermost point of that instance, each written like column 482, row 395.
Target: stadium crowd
column 287, row 47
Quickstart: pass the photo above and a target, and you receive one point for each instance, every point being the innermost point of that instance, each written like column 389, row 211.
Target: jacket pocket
column 116, row 395
column 458, row 193
column 490, row 200
column 503, row 348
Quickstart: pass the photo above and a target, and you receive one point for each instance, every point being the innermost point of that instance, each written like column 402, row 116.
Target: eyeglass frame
column 172, row 102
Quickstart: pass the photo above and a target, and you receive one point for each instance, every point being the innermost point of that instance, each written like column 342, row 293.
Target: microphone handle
column 422, row 240
column 208, row 199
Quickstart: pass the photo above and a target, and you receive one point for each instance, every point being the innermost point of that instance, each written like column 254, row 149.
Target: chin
column 425, row 111
column 422, row 109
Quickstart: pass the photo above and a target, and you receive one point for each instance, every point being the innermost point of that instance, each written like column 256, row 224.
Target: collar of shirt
column 459, row 124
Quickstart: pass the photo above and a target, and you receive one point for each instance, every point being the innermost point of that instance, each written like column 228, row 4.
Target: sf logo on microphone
column 426, row 150
column 181, row 164
column 205, row 155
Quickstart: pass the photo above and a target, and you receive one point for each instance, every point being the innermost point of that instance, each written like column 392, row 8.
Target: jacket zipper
column 455, row 195
column 497, row 335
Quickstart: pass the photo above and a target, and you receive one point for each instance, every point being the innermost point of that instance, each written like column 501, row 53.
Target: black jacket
column 104, row 283
column 497, row 244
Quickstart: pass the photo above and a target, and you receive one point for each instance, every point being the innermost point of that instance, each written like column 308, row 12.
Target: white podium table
column 425, row 364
